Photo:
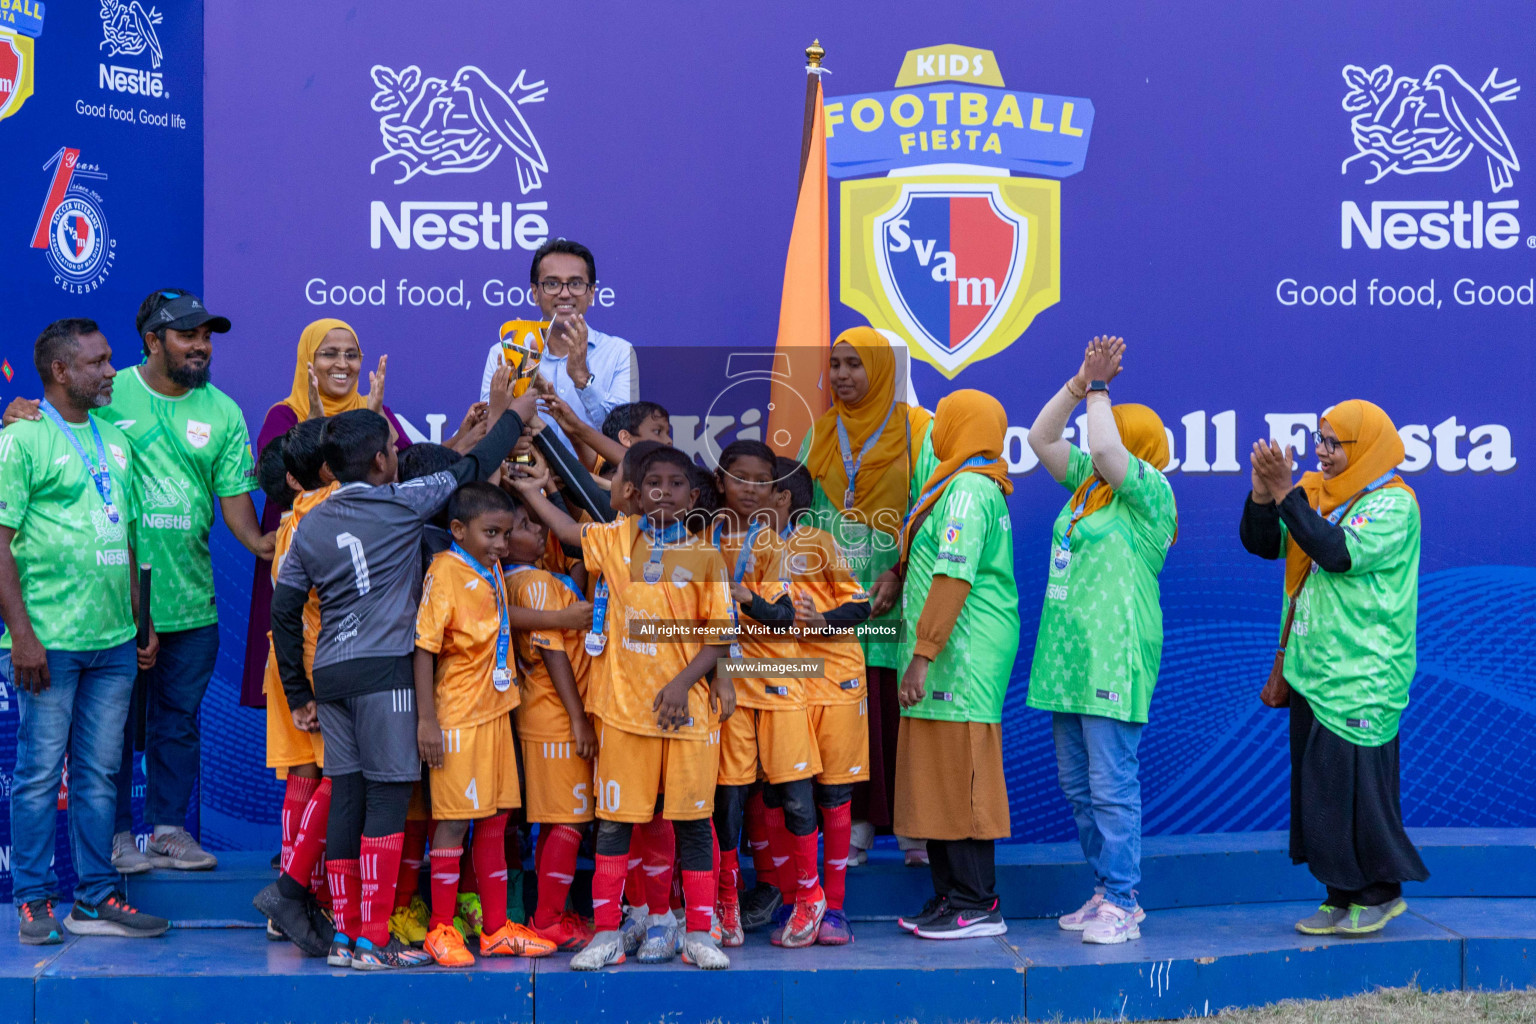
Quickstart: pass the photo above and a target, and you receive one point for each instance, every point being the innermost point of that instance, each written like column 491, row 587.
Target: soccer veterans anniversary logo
column 72, row 227
column 958, row 261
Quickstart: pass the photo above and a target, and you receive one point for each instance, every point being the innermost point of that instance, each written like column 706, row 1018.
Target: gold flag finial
column 814, row 53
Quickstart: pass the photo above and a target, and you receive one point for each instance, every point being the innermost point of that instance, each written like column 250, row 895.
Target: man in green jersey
column 67, row 512
column 191, row 447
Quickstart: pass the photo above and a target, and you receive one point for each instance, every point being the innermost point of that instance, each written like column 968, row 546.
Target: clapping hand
column 1102, row 359
column 1272, row 478
column 376, row 387
column 316, row 406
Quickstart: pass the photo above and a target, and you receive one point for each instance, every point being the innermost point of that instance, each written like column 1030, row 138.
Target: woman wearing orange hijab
column 331, row 348
column 961, row 604
column 1349, row 535
column 874, row 438
column 1100, row 643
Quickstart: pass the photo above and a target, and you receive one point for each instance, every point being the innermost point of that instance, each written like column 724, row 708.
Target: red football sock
column 309, row 839
column 490, row 858
column 807, row 880
column 468, row 882
column 783, row 846
column 757, row 839
column 714, row 843
column 730, row 876
column 379, row 865
column 699, row 898
column 411, row 855
column 607, row 885
column 342, row 877
column 557, row 869
column 836, row 839
column 445, row 885
column 296, row 793
column 634, row 880
column 660, row 855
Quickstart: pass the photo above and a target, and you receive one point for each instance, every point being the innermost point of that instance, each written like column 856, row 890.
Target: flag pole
column 813, row 57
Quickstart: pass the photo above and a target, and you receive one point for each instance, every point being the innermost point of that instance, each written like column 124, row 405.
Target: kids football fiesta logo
column 72, row 227
column 950, row 250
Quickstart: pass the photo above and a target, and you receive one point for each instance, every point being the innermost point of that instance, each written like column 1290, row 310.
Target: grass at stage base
column 1389, row 1006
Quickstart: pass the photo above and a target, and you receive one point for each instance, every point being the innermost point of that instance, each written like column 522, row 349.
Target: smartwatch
column 1098, row 385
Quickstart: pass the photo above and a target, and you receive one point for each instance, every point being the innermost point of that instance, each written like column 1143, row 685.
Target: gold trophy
column 522, row 346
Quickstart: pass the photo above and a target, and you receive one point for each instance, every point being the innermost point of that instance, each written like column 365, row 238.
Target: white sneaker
column 605, row 949
column 177, row 849
column 699, row 949
column 1112, row 925
column 127, row 858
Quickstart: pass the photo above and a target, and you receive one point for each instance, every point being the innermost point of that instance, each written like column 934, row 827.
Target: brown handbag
column 1277, row 692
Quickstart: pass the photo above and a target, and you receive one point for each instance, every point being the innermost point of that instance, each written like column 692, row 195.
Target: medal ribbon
column 494, row 577
column 850, row 464
column 97, row 471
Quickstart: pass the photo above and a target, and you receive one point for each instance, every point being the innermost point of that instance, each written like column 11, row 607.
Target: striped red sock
column 729, row 888
column 469, row 880
column 379, row 866
column 445, row 885
column 783, row 846
column 699, row 898
column 296, row 793
column 634, row 879
column 343, row 878
column 557, row 869
column 607, row 885
column 489, row 854
column 714, row 842
column 309, row 839
column 660, row 855
column 836, row 840
column 411, row 855
column 757, row 839
column 807, row 880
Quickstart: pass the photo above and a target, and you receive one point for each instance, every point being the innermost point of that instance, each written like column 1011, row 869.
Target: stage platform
column 1218, row 934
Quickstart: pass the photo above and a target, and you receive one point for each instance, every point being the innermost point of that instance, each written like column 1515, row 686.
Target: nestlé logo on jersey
column 447, row 127
column 958, row 261
column 1404, row 128
column 128, row 30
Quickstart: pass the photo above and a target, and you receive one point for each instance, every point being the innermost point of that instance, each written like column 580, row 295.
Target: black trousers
column 965, row 870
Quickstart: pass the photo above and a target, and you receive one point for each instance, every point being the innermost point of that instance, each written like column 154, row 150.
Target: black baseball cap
column 184, row 312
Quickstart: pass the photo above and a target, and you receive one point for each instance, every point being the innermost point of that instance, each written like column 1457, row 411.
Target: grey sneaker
column 661, row 939
column 605, row 950
column 632, row 930
column 699, row 949
column 1325, row 921
column 177, row 849
column 127, row 858
column 1359, row 921
column 38, row 925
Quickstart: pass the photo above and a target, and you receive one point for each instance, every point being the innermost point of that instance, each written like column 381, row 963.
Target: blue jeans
column 82, row 711
column 1096, row 763
column 174, row 690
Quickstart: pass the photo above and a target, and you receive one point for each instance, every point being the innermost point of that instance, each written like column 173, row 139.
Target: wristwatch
column 1098, row 385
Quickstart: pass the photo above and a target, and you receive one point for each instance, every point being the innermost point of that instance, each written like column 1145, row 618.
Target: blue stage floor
column 1191, row 959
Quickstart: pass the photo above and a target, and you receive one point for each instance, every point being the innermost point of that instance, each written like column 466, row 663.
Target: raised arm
column 1110, row 457
column 1045, row 435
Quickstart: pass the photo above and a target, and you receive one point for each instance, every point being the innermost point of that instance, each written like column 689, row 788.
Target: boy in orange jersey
column 659, row 731
column 829, row 605
column 772, row 730
column 558, row 739
column 293, row 474
column 463, row 730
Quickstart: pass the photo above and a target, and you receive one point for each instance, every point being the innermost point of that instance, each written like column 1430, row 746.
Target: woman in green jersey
column 961, row 607
column 867, row 454
column 1101, row 630
column 1349, row 535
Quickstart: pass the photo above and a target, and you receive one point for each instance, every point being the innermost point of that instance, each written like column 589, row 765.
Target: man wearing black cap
column 190, row 446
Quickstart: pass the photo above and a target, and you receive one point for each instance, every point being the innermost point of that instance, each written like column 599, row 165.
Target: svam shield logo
column 15, row 72
column 959, row 266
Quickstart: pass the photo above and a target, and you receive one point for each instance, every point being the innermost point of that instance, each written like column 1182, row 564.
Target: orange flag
column 799, row 393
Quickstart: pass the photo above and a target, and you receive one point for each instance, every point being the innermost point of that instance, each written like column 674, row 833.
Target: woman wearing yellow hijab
column 1349, row 535
column 331, row 348
column 874, row 438
column 1100, row 643
column 961, row 607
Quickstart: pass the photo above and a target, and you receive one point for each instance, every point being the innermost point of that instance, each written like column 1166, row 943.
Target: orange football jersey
column 458, row 621
column 690, row 589
column 817, row 569
column 763, row 570
column 541, row 715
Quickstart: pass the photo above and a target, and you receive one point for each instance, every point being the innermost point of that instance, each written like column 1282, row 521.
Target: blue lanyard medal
column 974, row 460
column 1338, row 513
column 850, row 463
column 97, row 471
column 739, row 573
column 659, row 539
column 501, row 676
column 1062, row 556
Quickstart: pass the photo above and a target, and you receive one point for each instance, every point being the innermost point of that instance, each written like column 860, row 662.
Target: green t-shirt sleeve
column 1146, row 493
column 15, row 479
column 235, row 471
column 1079, row 468
column 962, row 524
column 1374, row 530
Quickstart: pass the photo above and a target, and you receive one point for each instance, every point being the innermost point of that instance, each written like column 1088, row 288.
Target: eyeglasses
column 1331, row 444
column 349, row 354
column 552, row 286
